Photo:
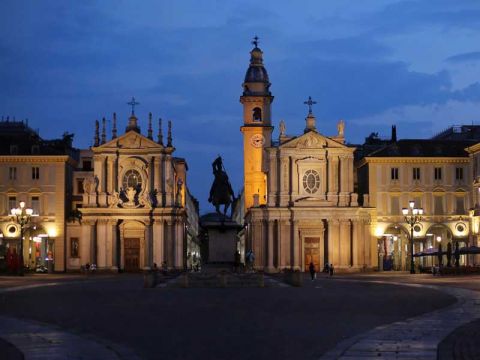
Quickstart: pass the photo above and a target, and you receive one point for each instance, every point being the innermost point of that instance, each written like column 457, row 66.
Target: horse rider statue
column 221, row 192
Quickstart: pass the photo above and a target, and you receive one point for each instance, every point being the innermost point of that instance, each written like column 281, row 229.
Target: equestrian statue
column 221, row 192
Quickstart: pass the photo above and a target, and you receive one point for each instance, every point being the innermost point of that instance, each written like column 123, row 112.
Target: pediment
column 131, row 140
column 312, row 140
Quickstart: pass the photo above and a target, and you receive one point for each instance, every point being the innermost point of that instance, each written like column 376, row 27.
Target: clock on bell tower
column 257, row 127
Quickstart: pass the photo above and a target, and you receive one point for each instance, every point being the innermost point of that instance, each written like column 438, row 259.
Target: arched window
column 257, row 114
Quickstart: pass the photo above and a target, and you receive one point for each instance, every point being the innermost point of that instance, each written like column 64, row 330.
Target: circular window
column 133, row 179
column 12, row 229
column 311, row 181
column 460, row 227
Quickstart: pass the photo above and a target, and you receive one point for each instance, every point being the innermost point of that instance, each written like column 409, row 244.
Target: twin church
column 299, row 199
column 124, row 203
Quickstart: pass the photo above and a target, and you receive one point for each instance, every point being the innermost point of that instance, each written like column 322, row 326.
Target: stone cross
column 309, row 102
column 132, row 104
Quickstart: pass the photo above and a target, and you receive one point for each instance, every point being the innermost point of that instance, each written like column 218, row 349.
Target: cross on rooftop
column 132, row 104
column 309, row 102
column 255, row 41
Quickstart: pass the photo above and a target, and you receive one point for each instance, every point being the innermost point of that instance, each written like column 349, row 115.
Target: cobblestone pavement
column 418, row 337
column 21, row 339
column 220, row 323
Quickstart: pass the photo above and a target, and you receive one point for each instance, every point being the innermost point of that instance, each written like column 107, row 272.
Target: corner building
column 299, row 194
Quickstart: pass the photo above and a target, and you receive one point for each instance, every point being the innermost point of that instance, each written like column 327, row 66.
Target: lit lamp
column 412, row 216
column 21, row 216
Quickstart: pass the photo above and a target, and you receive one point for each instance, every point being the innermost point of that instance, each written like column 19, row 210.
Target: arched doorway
column 393, row 248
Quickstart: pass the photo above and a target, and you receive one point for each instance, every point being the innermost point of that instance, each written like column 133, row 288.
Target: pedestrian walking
column 331, row 269
column 311, row 267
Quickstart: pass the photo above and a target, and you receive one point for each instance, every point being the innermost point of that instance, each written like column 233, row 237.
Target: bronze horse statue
column 221, row 192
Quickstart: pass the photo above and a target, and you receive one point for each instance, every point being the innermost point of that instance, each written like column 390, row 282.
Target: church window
column 257, row 114
column 311, row 181
column 133, row 179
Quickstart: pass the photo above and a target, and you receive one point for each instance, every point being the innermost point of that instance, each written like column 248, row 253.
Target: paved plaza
column 114, row 317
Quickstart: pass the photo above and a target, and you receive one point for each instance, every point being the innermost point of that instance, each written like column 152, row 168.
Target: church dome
column 256, row 71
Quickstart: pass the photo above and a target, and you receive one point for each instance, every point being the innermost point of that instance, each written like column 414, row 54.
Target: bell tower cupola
column 257, row 128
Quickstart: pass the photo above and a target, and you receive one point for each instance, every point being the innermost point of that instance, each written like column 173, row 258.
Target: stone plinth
column 222, row 237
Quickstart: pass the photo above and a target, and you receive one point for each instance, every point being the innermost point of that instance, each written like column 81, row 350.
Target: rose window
column 133, row 179
column 311, row 181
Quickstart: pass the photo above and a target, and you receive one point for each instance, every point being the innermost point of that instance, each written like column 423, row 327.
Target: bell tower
column 257, row 128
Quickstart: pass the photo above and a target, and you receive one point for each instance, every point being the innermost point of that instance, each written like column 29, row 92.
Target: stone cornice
column 36, row 159
column 404, row 159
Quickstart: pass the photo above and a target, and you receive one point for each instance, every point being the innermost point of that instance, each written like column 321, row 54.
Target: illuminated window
column 36, row 205
column 311, row 181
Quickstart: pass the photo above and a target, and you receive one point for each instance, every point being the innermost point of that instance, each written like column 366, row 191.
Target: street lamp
column 412, row 216
column 22, row 216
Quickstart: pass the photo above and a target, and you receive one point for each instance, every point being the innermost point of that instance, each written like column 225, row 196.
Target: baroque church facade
column 133, row 203
column 299, row 199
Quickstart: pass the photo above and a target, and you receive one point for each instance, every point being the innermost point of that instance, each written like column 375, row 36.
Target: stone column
column 272, row 179
column 332, row 178
column 294, row 176
column 86, row 255
column 343, row 180
column 169, row 186
column 357, row 246
column 296, row 245
column 157, row 167
column 280, row 242
column 270, row 249
column 345, row 250
column 115, row 245
column 179, row 240
column 284, row 175
column 370, row 246
column 147, row 249
column 333, row 241
column 158, row 234
column 110, row 179
column 350, row 174
column 101, row 244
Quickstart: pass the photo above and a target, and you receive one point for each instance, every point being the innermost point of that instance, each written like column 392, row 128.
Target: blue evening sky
column 64, row 64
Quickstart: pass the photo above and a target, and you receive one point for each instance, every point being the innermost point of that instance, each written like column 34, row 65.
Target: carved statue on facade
column 178, row 198
column 282, row 128
column 221, row 192
column 341, row 128
column 114, row 200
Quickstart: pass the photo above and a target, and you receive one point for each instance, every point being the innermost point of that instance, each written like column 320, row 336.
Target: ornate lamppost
column 412, row 216
column 21, row 216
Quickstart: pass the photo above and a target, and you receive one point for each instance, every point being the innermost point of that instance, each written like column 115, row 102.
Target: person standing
column 331, row 269
column 311, row 267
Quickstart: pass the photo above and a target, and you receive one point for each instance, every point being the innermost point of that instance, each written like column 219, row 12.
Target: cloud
column 464, row 58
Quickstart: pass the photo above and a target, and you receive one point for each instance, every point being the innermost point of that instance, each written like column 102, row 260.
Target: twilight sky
column 64, row 64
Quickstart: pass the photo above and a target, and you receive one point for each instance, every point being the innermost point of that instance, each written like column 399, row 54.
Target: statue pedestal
column 222, row 237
